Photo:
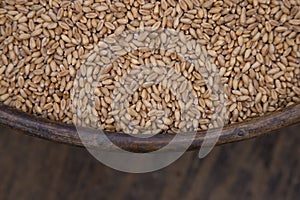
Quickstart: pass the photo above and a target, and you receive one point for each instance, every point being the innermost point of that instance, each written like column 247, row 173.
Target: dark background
column 267, row 167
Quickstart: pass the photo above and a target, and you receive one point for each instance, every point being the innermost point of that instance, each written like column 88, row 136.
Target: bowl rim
column 64, row 133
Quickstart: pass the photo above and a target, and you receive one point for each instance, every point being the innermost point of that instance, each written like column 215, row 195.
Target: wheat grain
column 254, row 47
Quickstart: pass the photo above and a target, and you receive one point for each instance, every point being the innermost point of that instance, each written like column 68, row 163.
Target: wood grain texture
column 266, row 167
column 63, row 133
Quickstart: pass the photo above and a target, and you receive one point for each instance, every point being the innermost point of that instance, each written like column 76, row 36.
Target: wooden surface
column 267, row 167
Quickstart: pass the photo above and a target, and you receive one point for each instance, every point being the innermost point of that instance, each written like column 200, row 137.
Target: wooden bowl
column 63, row 133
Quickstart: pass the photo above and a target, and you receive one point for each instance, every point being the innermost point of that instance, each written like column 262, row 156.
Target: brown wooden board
column 263, row 168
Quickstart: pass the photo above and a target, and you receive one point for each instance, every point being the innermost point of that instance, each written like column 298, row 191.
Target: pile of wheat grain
column 254, row 45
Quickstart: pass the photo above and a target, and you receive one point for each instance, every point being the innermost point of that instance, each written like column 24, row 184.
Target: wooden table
column 263, row 168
